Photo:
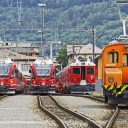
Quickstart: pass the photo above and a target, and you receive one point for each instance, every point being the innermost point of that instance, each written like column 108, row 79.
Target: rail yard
column 26, row 112
column 69, row 85
column 54, row 111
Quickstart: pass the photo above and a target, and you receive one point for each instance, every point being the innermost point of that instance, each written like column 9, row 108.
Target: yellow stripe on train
column 124, row 87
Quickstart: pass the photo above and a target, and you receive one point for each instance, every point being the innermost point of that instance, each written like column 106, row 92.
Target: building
column 23, row 54
column 82, row 52
column 22, row 48
column 22, row 61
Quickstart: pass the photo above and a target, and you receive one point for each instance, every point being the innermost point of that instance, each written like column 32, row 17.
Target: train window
column 125, row 60
column 32, row 74
column 90, row 70
column 113, row 57
column 25, row 67
column 13, row 73
column 76, row 71
column 54, row 75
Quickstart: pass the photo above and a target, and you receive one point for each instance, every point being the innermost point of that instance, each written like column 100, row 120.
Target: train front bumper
column 83, row 88
column 7, row 90
column 41, row 89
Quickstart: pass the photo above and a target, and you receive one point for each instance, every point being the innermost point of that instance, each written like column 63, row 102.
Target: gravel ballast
column 21, row 111
column 99, row 112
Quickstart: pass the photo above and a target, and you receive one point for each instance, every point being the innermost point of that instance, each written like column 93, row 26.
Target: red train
column 79, row 76
column 43, row 76
column 11, row 80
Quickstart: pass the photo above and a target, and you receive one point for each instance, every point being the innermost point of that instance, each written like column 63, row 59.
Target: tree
column 62, row 57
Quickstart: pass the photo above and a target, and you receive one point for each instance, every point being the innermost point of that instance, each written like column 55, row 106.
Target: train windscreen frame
column 43, row 70
column 4, row 69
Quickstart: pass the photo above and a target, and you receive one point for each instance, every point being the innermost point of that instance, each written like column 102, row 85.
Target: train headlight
column 2, row 83
column 111, row 79
column 43, row 83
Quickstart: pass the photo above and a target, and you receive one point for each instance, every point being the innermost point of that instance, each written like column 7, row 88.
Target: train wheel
column 68, row 90
column 105, row 95
column 57, row 90
column 64, row 90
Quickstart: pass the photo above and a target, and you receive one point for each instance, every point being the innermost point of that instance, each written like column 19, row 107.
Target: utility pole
column 93, row 42
column 73, row 52
column 51, row 50
column 19, row 3
column 56, row 38
column 42, row 28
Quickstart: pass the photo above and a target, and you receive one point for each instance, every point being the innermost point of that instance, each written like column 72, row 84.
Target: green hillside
column 73, row 19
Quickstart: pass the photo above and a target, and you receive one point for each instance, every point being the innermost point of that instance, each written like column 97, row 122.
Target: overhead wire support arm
column 123, row 19
column 122, row 1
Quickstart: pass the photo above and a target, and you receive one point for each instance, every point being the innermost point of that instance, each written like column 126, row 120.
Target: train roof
column 43, row 61
column 111, row 44
column 5, row 61
column 82, row 63
column 79, row 63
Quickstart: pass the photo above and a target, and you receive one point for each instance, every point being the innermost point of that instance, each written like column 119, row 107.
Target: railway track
column 99, row 99
column 64, row 117
column 119, row 118
column 108, row 121
column 112, row 120
column 1, row 97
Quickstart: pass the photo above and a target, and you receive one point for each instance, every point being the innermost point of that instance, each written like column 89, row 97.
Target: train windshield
column 112, row 57
column 4, row 69
column 125, row 60
column 43, row 70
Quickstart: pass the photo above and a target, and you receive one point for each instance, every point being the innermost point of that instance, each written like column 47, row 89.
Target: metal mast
column 42, row 26
column 19, row 3
column 122, row 18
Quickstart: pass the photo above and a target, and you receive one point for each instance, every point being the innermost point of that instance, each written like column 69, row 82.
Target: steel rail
column 1, row 97
column 113, row 118
column 94, row 98
column 54, row 117
column 79, row 116
column 99, row 99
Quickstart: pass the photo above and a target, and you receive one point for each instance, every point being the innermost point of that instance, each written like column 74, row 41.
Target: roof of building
column 17, row 44
column 82, row 49
column 14, row 55
column 24, row 50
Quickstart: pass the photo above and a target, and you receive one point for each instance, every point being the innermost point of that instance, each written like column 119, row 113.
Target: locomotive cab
column 78, row 77
column 115, row 72
column 42, row 76
column 11, row 80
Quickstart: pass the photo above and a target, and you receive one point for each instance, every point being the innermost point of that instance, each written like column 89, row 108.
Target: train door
column 83, row 76
column 82, row 73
